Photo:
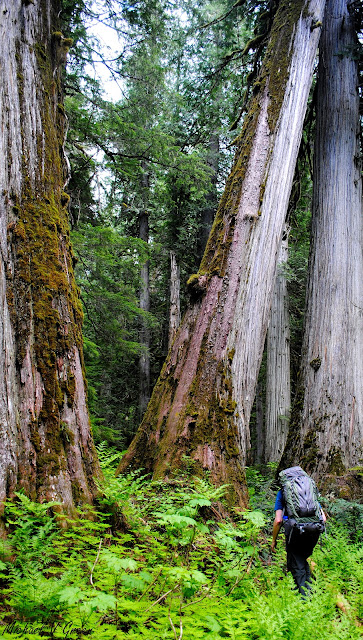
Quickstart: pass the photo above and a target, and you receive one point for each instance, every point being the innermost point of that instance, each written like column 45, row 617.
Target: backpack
column 301, row 498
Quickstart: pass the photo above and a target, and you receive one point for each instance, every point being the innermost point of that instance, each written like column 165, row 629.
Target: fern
column 174, row 560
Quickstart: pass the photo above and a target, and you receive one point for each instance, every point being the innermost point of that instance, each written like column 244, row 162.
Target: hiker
column 297, row 508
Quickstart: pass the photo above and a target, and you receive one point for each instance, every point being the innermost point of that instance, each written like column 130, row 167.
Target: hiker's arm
column 276, row 528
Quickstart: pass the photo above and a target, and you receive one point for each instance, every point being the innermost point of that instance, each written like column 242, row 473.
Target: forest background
column 147, row 171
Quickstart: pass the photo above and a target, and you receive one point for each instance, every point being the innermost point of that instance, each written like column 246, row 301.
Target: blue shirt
column 280, row 503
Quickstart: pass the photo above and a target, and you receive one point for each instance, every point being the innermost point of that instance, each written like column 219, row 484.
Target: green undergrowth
column 167, row 560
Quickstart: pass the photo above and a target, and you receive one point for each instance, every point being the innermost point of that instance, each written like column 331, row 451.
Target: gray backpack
column 302, row 501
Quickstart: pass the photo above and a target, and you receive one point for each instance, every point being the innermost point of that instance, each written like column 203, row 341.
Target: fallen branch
column 150, row 585
column 173, row 628
column 162, row 597
column 95, row 562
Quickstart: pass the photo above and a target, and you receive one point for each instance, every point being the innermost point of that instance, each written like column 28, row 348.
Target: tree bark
column 327, row 427
column 174, row 313
column 208, row 212
column 144, row 361
column 47, row 447
column 260, row 426
column 278, row 388
column 201, row 404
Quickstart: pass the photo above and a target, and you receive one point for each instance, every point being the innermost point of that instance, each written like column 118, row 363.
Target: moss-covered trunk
column 201, row 404
column 47, row 448
column 326, row 433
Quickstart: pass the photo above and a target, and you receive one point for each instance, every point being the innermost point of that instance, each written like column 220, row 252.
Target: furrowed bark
column 327, row 427
column 201, row 404
column 47, row 448
column 278, row 388
column 260, row 426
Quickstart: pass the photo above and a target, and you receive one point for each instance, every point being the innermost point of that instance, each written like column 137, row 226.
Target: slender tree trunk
column 144, row 361
column 208, row 212
column 260, row 426
column 278, row 390
column 327, row 427
column 201, row 404
column 46, row 444
column 174, row 314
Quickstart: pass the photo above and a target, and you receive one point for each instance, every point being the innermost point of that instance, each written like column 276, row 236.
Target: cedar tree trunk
column 260, row 425
column 327, row 427
column 278, row 388
column 46, row 444
column 201, row 404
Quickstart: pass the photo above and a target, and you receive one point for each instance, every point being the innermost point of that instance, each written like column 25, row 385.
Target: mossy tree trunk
column 278, row 388
column 201, row 404
column 47, row 448
column 327, row 428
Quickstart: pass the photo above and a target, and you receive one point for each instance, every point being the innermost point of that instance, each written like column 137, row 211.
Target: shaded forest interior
column 148, row 170
column 111, row 217
column 181, row 295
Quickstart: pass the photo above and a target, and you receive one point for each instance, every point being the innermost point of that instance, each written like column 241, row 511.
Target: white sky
column 111, row 48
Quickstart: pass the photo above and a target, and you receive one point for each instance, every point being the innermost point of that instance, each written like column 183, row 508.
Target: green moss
column 34, row 435
column 67, row 43
column 334, row 462
column 66, row 434
column 41, row 55
column 196, row 285
column 310, row 452
column 61, row 109
column 315, row 364
column 48, row 463
column 43, row 281
column 70, row 389
column 357, row 471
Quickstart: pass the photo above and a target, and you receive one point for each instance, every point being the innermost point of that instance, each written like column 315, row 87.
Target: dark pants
column 299, row 546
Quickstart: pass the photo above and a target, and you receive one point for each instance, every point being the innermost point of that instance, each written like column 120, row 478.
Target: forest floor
column 163, row 560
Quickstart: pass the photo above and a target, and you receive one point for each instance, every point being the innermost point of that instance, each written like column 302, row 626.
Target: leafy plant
column 178, row 559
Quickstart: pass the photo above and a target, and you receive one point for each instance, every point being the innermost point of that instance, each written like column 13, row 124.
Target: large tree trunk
column 201, row 404
column 327, row 429
column 278, row 388
column 46, row 444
